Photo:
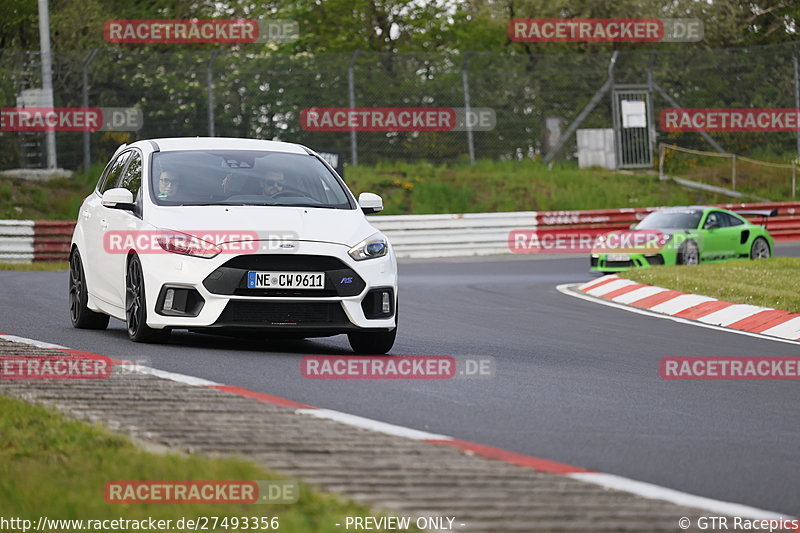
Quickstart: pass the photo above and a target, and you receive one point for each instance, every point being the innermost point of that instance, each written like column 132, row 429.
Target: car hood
column 337, row 226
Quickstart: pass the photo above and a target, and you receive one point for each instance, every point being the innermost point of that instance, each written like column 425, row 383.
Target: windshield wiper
column 214, row 203
column 320, row 206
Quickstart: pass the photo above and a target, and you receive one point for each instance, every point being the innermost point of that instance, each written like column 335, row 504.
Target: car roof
column 678, row 208
column 171, row 144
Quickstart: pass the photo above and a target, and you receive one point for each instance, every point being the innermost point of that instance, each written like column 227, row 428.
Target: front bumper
column 600, row 262
column 220, row 300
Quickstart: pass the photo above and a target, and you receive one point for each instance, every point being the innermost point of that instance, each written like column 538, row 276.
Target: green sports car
column 683, row 236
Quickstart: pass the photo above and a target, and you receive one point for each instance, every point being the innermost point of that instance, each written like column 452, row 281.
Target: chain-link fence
column 240, row 94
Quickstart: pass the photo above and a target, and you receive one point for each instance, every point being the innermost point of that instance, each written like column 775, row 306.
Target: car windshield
column 688, row 219
column 244, row 177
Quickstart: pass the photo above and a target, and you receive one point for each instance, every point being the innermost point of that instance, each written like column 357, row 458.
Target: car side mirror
column 370, row 203
column 712, row 225
column 119, row 198
column 633, row 226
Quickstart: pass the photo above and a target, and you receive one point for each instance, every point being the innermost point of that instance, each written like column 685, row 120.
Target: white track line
column 373, row 425
column 32, row 342
column 655, row 492
column 570, row 289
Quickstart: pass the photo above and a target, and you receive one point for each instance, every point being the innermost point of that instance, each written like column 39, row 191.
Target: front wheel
column 759, row 249
column 136, row 308
column 372, row 342
column 688, row 253
column 81, row 316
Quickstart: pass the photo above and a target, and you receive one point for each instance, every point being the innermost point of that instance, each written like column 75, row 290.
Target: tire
column 372, row 342
column 759, row 249
column 136, row 306
column 81, row 316
column 688, row 253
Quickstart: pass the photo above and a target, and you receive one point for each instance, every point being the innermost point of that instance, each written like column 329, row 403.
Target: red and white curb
column 611, row 481
column 27, row 241
column 695, row 309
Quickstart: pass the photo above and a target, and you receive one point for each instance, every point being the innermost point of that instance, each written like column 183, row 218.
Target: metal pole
column 651, row 123
column 674, row 103
column 796, row 95
column 733, row 171
column 47, row 77
column 661, row 155
column 210, row 88
column 351, row 94
column 585, row 112
column 87, row 152
column 794, row 181
column 465, row 82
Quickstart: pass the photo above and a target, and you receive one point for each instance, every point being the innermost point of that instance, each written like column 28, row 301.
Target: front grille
column 619, row 264
column 231, row 277
column 282, row 313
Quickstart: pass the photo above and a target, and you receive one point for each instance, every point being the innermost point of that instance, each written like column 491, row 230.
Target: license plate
column 286, row 280
column 618, row 257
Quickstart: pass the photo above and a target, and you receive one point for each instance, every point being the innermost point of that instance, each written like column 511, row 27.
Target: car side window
column 713, row 220
column 114, row 171
column 730, row 220
column 132, row 179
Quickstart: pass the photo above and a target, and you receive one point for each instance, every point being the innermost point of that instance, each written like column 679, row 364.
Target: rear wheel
column 82, row 317
column 688, row 253
column 372, row 342
column 136, row 308
column 759, row 249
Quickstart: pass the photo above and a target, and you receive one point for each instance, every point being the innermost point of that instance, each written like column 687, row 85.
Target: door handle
column 86, row 213
column 104, row 224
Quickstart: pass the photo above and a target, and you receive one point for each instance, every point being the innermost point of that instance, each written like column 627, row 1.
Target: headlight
column 183, row 244
column 374, row 246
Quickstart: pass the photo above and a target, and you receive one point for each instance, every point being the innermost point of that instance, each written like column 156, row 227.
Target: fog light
column 385, row 304
column 169, row 297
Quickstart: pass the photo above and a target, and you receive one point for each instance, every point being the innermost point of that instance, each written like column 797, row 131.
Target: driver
column 272, row 183
column 168, row 185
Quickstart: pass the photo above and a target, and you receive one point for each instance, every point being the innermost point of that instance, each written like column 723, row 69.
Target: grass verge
column 57, row 467
column 767, row 282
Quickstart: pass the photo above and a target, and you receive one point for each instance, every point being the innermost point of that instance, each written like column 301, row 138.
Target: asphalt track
column 576, row 382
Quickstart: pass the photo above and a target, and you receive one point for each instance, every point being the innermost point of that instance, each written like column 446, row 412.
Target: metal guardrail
column 419, row 236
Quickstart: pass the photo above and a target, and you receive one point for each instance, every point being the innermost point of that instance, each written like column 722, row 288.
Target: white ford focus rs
column 231, row 236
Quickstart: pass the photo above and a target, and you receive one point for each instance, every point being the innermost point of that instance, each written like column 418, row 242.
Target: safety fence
column 423, row 236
